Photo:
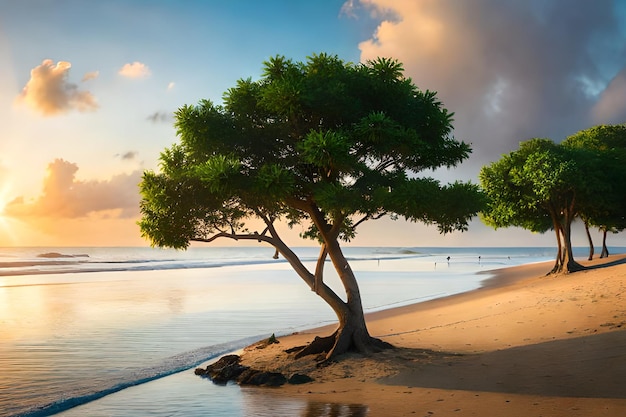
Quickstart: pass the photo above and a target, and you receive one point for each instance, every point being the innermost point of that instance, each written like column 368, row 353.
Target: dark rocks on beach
column 228, row 368
column 297, row 379
column 261, row 378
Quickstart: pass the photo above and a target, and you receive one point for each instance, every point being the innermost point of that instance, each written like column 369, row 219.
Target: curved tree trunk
column 571, row 264
column 605, row 250
column 558, row 262
column 558, row 265
column 591, row 248
column 351, row 333
column 565, row 255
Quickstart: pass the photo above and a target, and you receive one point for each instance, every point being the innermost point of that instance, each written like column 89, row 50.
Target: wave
column 59, row 263
column 169, row 366
column 67, row 267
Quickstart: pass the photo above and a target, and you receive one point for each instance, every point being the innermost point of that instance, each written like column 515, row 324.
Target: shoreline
column 522, row 344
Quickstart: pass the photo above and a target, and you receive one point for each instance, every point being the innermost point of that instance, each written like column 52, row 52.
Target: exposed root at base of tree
column 567, row 269
column 325, row 348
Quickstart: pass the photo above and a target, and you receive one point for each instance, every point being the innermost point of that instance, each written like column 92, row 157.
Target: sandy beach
column 525, row 344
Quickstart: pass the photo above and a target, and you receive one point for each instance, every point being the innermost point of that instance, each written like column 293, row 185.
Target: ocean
column 118, row 331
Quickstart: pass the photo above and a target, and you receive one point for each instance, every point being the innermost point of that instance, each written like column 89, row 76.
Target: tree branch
column 369, row 217
column 319, row 269
column 235, row 236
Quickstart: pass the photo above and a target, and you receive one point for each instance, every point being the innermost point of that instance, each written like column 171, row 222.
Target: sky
column 88, row 89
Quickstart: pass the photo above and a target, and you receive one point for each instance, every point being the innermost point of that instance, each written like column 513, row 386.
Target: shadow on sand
column 607, row 264
column 590, row 366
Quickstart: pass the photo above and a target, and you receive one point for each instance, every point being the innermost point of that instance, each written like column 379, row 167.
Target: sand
column 525, row 344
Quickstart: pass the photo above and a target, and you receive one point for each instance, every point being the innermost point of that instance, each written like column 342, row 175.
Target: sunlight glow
column 6, row 232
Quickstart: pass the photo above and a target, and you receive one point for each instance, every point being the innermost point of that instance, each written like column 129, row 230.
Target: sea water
column 117, row 331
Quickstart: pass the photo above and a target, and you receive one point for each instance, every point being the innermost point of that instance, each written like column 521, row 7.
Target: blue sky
column 87, row 89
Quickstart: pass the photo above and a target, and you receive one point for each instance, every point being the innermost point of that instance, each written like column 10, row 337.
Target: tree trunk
column 565, row 255
column 351, row 333
column 591, row 249
column 558, row 263
column 605, row 250
column 571, row 265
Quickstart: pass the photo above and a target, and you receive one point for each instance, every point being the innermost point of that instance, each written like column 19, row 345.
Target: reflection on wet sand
column 262, row 402
column 316, row 409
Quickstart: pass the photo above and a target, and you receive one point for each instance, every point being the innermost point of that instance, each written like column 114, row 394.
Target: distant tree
column 606, row 208
column 322, row 143
column 537, row 187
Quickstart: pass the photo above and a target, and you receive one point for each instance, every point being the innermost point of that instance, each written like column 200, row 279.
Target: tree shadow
column 590, row 366
column 606, row 264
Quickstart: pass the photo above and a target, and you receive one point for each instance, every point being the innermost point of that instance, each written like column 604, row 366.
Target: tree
column 605, row 210
column 321, row 143
column 537, row 187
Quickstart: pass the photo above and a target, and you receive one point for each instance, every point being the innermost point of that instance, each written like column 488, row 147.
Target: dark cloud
column 128, row 156
column 161, row 117
column 611, row 107
column 510, row 70
column 64, row 196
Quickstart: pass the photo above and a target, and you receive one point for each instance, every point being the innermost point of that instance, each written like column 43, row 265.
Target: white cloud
column 348, row 9
column 64, row 196
column 134, row 70
column 49, row 92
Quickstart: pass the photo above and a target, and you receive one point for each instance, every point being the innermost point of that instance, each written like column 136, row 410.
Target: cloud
column 134, row 70
column 49, row 93
column 128, row 156
column 162, row 117
column 91, row 75
column 510, row 70
column 64, row 196
column 171, row 86
column 611, row 107
column 348, row 9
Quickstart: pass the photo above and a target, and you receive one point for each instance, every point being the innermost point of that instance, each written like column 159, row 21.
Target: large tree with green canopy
column 540, row 186
column 324, row 144
column 606, row 210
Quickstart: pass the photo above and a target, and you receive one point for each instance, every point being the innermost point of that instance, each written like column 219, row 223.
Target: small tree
column 537, row 188
column 322, row 143
column 606, row 145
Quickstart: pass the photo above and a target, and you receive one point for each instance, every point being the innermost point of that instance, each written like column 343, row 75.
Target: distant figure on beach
column 448, row 258
column 478, row 258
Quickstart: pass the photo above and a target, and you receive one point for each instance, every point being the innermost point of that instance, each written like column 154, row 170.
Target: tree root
column 327, row 347
column 319, row 345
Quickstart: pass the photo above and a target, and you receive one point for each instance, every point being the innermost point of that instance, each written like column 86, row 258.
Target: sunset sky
column 88, row 88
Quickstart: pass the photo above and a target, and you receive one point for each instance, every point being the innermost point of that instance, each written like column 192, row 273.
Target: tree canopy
column 544, row 185
column 537, row 187
column 324, row 144
column 606, row 150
